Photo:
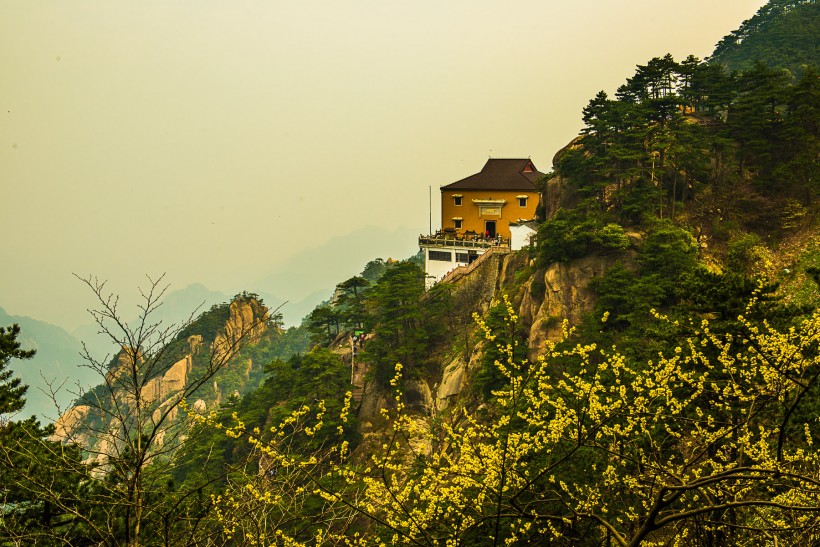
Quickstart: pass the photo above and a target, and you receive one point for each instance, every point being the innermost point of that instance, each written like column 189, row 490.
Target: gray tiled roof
column 501, row 174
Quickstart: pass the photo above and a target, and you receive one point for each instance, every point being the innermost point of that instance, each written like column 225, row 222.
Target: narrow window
column 522, row 202
column 457, row 223
column 456, row 200
column 442, row 256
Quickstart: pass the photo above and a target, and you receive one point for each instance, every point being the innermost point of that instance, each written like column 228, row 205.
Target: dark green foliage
column 797, row 168
column 417, row 259
column 350, row 301
column 775, row 123
column 668, row 277
column 686, row 140
column 386, row 302
column 627, row 295
column 29, row 460
column 743, row 253
column 209, row 456
column 405, row 327
column 317, row 375
column 725, row 296
column 573, row 234
column 669, row 252
column 323, row 322
column 639, row 203
column 374, row 269
column 346, row 310
column 756, row 116
column 208, row 323
column 11, row 389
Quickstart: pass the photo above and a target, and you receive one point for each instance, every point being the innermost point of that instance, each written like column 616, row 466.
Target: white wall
column 520, row 237
column 437, row 269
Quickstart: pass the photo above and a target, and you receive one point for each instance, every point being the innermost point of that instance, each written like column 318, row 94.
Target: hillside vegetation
column 782, row 34
column 646, row 374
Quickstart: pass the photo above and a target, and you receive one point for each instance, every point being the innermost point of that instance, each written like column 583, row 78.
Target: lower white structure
column 443, row 254
column 522, row 234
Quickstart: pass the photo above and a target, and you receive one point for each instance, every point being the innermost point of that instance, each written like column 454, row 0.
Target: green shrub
column 747, row 254
column 573, row 234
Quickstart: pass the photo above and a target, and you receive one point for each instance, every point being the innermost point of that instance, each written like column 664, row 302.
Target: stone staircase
column 461, row 271
column 359, row 373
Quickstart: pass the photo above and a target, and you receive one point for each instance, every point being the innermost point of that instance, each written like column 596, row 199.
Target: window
column 444, row 256
column 456, row 200
column 463, row 258
column 522, row 201
column 457, row 223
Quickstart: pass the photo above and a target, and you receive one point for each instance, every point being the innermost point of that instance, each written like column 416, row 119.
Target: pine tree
column 12, row 389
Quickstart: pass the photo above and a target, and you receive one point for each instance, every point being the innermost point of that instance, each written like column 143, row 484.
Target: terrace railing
column 446, row 240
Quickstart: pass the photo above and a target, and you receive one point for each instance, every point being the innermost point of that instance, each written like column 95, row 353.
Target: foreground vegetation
column 711, row 442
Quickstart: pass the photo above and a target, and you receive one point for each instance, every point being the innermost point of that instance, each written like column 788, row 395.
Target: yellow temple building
column 477, row 213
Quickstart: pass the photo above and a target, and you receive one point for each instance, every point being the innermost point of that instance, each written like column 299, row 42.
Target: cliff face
column 558, row 195
column 559, row 293
column 69, row 422
column 161, row 387
column 543, row 301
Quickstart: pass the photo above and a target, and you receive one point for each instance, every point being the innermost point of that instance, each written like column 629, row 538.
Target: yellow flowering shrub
column 580, row 446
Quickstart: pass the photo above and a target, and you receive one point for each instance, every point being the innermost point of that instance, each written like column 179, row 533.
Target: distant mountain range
column 57, row 361
column 311, row 275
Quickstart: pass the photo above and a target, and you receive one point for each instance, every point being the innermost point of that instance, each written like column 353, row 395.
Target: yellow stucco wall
column 471, row 213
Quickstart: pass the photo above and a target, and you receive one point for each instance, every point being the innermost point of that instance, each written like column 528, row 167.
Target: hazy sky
column 214, row 139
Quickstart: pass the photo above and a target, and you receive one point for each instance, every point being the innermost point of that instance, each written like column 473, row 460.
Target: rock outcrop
column 194, row 343
column 560, row 293
column 558, row 195
column 544, row 300
column 126, row 358
column 247, row 322
column 452, row 382
column 66, row 425
column 454, row 378
column 162, row 387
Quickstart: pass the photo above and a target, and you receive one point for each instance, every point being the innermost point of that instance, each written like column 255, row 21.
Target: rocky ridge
column 92, row 424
